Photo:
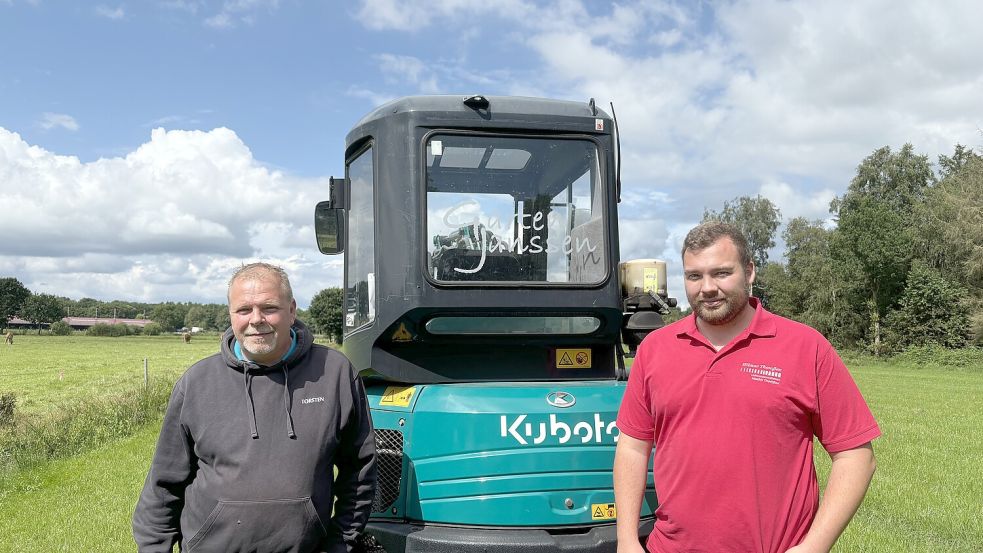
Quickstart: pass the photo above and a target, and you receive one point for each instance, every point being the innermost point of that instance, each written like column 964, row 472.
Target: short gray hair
column 706, row 234
column 263, row 271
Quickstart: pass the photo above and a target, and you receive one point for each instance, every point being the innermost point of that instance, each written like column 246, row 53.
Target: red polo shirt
column 733, row 431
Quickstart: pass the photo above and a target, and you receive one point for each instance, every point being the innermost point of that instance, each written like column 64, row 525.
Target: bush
column 81, row 426
column 152, row 329
column 116, row 330
column 935, row 355
column 8, row 407
column 931, row 310
column 99, row 329
column 60, row 328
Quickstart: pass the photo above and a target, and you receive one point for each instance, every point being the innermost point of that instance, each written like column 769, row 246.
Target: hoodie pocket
column 283, row 525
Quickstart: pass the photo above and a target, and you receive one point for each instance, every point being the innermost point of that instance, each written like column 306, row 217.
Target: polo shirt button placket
column 710, row 373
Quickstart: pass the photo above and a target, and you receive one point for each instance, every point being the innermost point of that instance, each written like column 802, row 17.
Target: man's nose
column 708, row 286
column 256, row 316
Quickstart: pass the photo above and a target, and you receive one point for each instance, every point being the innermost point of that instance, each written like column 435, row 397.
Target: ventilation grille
column 389, row 462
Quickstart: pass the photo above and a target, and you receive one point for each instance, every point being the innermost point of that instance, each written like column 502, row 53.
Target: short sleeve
column 842, row 419
column 635, row 415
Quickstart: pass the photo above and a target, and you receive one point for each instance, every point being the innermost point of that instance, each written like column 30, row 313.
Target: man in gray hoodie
column 252, row 435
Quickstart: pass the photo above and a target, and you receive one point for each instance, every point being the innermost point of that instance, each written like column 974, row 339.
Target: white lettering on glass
column 486, row 236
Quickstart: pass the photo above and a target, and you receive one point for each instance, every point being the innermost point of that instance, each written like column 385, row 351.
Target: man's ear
column 750, row 273
column 293, row 311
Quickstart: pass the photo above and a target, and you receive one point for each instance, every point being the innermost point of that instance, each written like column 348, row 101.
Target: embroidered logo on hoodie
column 307, row 400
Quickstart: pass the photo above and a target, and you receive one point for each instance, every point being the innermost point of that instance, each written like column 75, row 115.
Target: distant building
column 81, row 323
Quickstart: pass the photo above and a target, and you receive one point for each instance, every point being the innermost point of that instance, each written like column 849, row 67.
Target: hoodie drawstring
column 246, row 379
column 286, row 402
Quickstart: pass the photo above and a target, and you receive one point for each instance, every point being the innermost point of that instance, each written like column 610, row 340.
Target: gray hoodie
column 246, row 455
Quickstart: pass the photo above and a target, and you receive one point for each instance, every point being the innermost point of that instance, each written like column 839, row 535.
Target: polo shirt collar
column 762, row 324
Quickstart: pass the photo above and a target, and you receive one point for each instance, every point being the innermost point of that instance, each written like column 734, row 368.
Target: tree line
column 16, row 300
column 901, row 264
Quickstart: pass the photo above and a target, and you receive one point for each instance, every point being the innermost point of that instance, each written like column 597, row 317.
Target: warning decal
column 573, row 358
column 650, row 280
column 397, row 396
column 401, row 334
column 603, row 511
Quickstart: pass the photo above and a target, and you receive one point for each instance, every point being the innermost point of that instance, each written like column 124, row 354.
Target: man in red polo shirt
column 731, row 398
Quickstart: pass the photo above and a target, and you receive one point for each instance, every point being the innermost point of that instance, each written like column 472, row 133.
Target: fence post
column 146, row 378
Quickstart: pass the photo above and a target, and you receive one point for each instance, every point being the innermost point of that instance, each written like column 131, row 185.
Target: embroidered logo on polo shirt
column 762, row 373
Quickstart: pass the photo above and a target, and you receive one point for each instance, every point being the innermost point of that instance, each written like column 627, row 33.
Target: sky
column 148, row 148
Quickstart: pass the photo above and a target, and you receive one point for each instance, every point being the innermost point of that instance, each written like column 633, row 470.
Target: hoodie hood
column 249, row 369
column 305, row 339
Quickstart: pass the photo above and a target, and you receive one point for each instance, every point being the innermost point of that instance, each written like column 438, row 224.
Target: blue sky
column 147, row 148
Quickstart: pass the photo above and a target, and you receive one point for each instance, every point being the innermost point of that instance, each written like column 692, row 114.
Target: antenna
column 617, row 150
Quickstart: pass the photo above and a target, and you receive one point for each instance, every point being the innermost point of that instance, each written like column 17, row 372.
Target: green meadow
column 46, row 372
column 926, row 495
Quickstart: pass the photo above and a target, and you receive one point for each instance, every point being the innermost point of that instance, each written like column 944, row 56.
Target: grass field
column 45, row 371
column 926, row 495
column 78, row 504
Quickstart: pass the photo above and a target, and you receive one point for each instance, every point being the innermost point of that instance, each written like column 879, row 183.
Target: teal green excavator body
column 484, row 311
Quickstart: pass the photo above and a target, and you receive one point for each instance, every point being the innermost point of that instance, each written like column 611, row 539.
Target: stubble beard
column 731, row 307
column 260, row 345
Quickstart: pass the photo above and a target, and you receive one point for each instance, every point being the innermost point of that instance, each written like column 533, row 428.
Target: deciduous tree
column 42, row 308
column 931, row 311
column 12, row 296
column 325, row 313
column 874, row 222
column 169, row 315
column 757, row 218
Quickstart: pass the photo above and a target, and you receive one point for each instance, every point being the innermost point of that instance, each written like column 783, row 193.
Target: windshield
column 514, row 209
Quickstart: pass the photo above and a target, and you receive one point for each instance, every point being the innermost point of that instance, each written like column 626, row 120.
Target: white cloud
column 172, row 121
column 220, row 21
column 374, row 97
column 167, row 221
column 409, row 69
column 51, row 120
column 236, row 12
column 417, row 15
column 115, row 14
column 190, row 6
column 793, row 203
column 719, row 100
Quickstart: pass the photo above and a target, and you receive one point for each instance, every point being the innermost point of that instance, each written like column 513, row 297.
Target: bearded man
column 730, row 398
column 252, row 435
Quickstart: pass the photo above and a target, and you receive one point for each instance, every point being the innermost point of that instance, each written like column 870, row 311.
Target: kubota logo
column 560, row 399
column 596, row 431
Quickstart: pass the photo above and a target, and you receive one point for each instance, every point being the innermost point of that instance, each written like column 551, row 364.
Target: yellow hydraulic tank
column 643, row 275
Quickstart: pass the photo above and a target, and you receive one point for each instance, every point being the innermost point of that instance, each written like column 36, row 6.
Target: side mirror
column 329, row 228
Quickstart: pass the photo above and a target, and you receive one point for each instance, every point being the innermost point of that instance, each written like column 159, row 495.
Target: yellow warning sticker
column 573, row 358
column 397, row 396
column 650, row 280
column 603, row 511
column 401, row 334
